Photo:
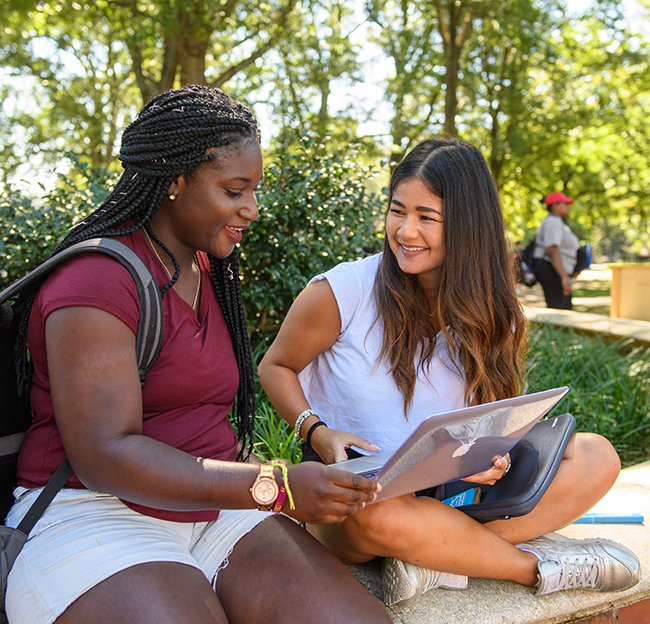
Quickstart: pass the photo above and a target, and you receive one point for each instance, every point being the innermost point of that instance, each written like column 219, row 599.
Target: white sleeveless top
column 350, row 391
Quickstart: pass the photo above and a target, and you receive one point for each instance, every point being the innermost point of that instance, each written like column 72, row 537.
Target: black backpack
column 524, row 264
column 527, row 252
column 583, row 259
column 15, row 414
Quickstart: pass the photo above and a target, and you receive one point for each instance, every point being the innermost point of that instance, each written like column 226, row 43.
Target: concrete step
column 503, row 602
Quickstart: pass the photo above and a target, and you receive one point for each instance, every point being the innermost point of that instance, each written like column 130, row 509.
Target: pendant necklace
column 195, row 262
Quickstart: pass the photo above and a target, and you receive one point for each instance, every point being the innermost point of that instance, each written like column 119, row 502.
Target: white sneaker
column 595, row 564
column 404, row 582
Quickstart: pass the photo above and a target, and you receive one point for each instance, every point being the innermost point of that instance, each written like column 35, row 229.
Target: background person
column 431, row 325
column 556, row 252
column 159, row 523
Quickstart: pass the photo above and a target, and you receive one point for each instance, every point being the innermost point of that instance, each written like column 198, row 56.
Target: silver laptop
column 454, row 445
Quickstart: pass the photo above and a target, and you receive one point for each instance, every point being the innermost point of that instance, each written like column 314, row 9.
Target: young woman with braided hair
column 159, row 522
column 431, row 325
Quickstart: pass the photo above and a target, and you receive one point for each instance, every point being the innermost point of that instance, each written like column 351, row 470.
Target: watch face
column 265, row 491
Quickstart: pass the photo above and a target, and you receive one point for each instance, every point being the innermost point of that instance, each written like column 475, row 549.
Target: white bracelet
column 301, row 419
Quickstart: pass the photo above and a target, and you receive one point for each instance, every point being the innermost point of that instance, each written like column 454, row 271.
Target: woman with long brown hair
column 430, row 325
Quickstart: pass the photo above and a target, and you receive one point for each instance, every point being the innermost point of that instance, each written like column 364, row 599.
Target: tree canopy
column 556, row 101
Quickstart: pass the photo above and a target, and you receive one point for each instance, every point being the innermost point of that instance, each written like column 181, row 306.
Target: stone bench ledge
column 617, row 327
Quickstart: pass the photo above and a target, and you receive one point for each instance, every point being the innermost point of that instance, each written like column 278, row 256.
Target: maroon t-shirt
column 189, row 390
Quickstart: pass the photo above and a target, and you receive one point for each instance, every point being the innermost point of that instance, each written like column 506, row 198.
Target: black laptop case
column 535, row 462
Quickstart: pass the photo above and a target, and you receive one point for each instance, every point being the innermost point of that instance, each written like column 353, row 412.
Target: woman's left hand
column 331, row 444
column 491, row 476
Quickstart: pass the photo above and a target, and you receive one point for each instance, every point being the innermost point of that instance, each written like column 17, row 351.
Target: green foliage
column 315, row 211
column 408, row 35
column 581, row 132
column 555, row 100
column 69, row 84
column 274, row 438
column 609, row 381
column 306, row 68
column 505, row 53
column 30, row 230
column 75, row 73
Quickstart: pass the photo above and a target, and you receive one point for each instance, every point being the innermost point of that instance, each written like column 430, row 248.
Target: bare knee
column 280, row 558
column 379, row 530
column 597, row 459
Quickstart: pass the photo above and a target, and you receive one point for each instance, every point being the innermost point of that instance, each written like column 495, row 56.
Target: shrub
column 31, row 229
column 315, row 211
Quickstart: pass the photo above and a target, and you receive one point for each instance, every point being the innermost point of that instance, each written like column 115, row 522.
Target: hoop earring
column 172, row 197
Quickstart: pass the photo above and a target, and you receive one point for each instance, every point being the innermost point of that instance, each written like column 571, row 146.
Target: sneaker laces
column 429, row 579
column 578, row 572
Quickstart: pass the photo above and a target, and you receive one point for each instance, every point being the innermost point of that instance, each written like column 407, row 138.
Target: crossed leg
column 432, row 535
column 587, row 472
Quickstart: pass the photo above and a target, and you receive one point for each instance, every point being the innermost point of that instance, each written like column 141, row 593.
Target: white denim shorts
column 85, row 537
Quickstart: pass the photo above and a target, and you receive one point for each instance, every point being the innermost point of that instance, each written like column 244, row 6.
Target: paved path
column 589, row 313
column 618, row 327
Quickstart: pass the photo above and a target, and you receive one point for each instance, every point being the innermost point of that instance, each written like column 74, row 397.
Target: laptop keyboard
column 369, row 473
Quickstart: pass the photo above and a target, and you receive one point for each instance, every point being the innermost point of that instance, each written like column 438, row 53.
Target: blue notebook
column 611, row 510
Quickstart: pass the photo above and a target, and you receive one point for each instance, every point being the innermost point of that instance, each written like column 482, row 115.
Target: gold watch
column 265, row 488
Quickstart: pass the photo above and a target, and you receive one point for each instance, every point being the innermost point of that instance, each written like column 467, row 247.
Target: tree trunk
column 452, row 54
column 191, row 48
column 191, row 58
column 454, row 29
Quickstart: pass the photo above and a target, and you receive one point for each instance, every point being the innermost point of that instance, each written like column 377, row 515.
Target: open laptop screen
column 457, row 444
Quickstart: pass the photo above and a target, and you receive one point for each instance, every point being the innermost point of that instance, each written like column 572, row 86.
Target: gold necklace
column 194, row 261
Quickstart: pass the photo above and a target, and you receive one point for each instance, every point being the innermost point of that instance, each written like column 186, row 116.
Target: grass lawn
column 609, row 378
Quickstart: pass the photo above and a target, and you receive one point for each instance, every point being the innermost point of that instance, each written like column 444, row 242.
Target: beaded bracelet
column 301, row 419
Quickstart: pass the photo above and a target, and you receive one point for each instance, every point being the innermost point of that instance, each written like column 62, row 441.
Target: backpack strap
column 148, row 340
column 56, row 482
column 147, row 345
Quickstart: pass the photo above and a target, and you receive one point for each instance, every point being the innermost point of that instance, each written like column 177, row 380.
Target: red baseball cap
column 556, row 197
